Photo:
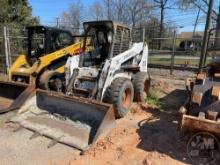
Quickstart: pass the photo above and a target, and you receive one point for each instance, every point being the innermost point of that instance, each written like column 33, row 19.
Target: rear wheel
column 51, row 80
column 120, row 94
column 141, row 82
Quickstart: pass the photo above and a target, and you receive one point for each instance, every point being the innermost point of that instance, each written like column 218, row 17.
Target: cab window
column 63, row 39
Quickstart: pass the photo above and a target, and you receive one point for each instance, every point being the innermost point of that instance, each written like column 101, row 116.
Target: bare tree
column 117, row 10
column 138, row 9
column 108, row 6
column 97, row 10
column 120, row 9
column 162, row 5
column 202, row 5
column 129, row 12
column 72, row 19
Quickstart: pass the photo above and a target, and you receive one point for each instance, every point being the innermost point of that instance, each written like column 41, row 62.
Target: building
column 189, row 42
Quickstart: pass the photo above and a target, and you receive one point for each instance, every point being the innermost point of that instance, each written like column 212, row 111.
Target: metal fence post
column 6, row 49
column 173, row 53
column 9, row 47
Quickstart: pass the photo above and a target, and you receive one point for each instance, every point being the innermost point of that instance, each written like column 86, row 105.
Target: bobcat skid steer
column 42, row 66
column 100, row 85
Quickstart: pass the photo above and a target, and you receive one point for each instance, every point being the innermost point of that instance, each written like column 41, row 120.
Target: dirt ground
column 146, row 136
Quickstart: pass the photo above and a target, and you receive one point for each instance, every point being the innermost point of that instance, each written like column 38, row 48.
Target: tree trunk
column 217, row 34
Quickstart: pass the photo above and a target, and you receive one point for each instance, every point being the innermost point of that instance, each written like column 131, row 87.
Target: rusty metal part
column 197, row 98
column 200, row 79
column 201, row 76
column 216, row 93
column 207, row 119
column 212, row 115
column 74, row 121
column 206, row 115
column 192, row 123
column 13, row 95
column 217, row 75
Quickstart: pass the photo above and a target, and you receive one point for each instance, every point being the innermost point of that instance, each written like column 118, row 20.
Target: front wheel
column 51, row 80
column 121, row 95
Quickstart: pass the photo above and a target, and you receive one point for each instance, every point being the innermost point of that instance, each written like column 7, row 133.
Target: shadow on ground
column 159, row 133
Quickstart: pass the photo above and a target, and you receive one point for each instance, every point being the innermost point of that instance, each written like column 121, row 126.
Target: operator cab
column 101, row 36
column 43, row 40
column 105, row 45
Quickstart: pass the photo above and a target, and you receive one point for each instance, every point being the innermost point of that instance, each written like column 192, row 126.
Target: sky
column 49, row 10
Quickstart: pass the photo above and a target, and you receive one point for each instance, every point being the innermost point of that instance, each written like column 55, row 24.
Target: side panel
column 144, row 60
column 115, row 65
column 21, row 60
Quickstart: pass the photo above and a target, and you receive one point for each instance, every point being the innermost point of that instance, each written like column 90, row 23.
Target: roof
column 189, row 35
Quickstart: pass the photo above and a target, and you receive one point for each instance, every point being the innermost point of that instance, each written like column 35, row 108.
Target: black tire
column 121, row 94
column 141, row 83
column 46, row 78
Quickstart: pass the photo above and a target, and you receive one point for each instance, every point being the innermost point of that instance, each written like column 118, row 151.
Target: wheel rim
column 126, row 98
column 146, row 88
column 54, row 84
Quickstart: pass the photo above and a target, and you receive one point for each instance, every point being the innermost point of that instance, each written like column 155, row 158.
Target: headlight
column 110, row 37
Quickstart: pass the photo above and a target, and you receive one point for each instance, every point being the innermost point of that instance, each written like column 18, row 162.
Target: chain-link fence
column 174, row 49
column 184, row 51
column 13, row 44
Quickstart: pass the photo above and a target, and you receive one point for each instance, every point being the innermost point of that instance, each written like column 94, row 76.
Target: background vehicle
column 48, row 50
column 42, row 66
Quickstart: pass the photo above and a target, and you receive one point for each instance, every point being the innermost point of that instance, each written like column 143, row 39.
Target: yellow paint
column 21, row 66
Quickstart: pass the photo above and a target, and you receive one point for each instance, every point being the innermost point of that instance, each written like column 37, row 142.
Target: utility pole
column 58, row 25
column 206, row 35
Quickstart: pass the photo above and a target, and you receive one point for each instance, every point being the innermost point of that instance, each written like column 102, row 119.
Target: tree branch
column 193, row 2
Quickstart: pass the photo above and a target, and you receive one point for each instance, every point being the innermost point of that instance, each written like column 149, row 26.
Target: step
column 87, row 78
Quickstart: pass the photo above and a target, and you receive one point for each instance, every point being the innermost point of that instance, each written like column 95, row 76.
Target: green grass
column 167, row 61
column 152, row 99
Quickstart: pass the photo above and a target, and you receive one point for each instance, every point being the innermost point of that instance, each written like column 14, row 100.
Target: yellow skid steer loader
column 42, row 66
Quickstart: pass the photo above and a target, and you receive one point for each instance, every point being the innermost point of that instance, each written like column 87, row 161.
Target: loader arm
column 21, row 66
column 112, row 67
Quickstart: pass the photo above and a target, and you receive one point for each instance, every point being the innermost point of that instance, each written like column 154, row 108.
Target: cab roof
column 45, row 28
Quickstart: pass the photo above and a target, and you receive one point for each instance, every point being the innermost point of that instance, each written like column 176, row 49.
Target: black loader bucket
column 73, row 121
column 13, row 95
